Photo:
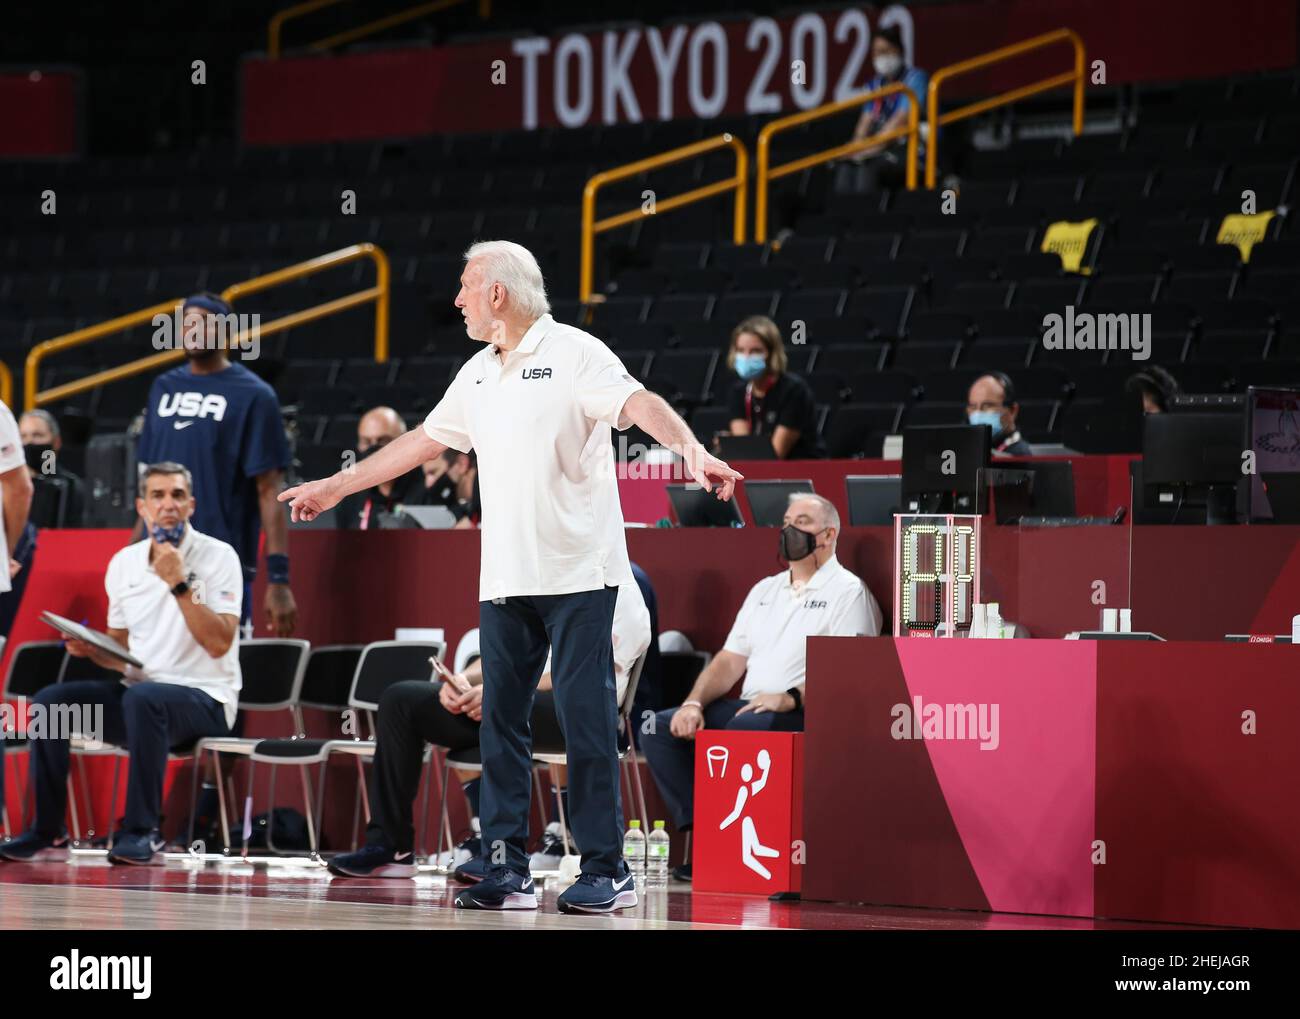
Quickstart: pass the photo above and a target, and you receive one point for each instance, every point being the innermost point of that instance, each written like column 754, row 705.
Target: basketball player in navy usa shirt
column 223, row 423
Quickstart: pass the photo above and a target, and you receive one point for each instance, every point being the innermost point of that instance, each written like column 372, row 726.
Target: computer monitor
column 1273, row 433
column 694, row 507
column 941, row 467
column 1041, row 491
column 768, row 500
column 1194, row 460
column 874, row 499
column 1052, row 491
column 746, row 447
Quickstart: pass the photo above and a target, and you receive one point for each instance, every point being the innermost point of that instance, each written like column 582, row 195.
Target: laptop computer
column 694, row 507
column 768, row 500
column 874, row 499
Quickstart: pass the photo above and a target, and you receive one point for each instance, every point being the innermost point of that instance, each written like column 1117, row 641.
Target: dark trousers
column 25, row 553
column 411, row 715
column 875, row 173
column 514, row 636
column 672, row 760
column 148, row 719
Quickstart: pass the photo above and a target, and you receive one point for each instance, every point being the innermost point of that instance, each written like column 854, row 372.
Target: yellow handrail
column 739, row 183
column 275, row 29
column 378, row 294
column 1006, row 98
column 6, row 385
column 766, row 175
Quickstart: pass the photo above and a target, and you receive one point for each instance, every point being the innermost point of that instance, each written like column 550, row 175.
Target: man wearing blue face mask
column 992, row 401
column 769, row 400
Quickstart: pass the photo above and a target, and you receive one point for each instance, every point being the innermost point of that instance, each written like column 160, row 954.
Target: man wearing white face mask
column 882, row 166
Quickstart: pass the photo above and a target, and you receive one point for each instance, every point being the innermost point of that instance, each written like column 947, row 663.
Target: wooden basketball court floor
column 91, row 894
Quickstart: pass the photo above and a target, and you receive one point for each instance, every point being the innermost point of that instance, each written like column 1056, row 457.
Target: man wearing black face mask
column 767, row 645
column 60, row 496
column 360, row 511
column 451, row 480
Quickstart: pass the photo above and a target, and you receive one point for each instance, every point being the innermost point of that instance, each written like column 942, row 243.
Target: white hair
column 830, row 514
column 515, row 268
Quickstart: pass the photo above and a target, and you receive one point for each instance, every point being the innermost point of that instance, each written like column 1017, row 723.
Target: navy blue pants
column 514, row 636
column 25, row 553
column 672, row 760
column 147, row 718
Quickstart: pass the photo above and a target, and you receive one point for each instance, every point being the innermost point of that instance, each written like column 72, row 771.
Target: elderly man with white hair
column 768, row 645
column 537, row 404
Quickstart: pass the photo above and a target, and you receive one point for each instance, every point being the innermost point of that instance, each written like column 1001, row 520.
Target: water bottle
column 657, row 865
column 634, row 850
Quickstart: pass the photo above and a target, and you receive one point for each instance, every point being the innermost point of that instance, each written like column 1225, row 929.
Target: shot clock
column 936, row 574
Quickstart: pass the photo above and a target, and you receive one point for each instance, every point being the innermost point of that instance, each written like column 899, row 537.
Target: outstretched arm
column 310, row 499
column 652, row 415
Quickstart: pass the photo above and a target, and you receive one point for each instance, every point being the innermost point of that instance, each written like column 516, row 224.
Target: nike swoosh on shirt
column 183, row 424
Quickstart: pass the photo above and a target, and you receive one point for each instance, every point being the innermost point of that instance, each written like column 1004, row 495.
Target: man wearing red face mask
column 767, row 645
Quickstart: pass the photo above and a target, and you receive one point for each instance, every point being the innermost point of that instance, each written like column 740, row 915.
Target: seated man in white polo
column 767, row 645
column 174, row 601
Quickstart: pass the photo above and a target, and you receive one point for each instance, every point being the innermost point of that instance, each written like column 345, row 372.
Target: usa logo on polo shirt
column 537, row 373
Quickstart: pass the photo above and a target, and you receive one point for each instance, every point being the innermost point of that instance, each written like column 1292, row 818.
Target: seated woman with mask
column 769, row 400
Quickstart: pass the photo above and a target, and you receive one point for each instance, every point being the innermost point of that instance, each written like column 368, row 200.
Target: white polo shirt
column 631, row 634
column 776, row 620
column 552, row 522
column 11, row 457
column 141, row 602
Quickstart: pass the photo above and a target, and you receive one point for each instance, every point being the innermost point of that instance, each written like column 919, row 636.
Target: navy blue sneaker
column 141, row 848
column 501, row 888
column 471, row 872
column 32, row 847
column 374, row 861
column 597, row 893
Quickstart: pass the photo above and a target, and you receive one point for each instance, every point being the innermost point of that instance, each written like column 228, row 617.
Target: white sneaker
column 462, row 853
column 548, row 857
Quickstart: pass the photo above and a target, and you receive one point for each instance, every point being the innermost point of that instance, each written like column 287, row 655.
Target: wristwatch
column 798, row 698
column 182, row 588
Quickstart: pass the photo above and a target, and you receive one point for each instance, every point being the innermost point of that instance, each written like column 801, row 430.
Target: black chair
column 888, row 309
column 925, row 355
column 851, row 423
column 271, row 673
column 380, row 665
column 690, row 372
column 884, row 387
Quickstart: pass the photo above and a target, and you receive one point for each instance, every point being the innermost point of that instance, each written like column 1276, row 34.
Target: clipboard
column 102, row 641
